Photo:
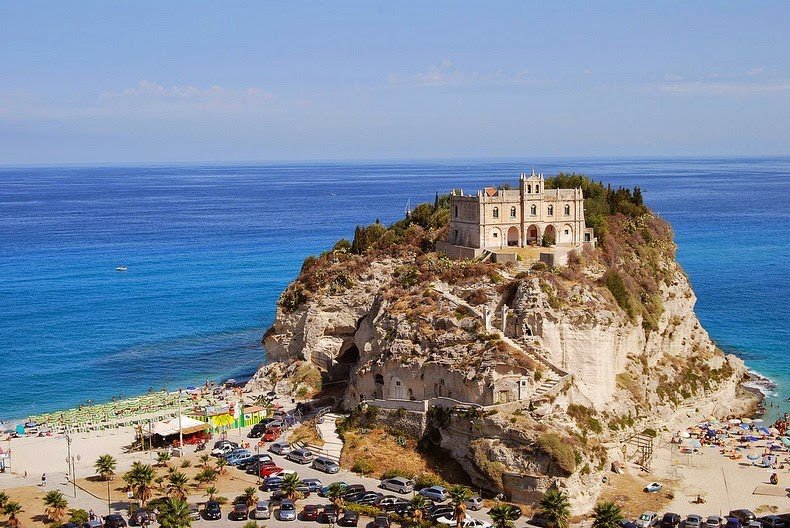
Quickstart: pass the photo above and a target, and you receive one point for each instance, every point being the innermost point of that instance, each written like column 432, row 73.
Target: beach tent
column 170, row 427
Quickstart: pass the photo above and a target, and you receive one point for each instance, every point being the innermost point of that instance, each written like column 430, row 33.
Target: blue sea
column 209, row 249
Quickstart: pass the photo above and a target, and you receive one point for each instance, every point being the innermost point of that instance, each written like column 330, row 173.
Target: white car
column 223, row 450
column 283, row 473
column 647, row 520
column 474, row 503
column 262, row 510
column 653, row 487
column 469, row 522
column 280, row 448
column 398, row 484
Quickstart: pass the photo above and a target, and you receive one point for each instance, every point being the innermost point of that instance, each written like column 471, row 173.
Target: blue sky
column 87, row 82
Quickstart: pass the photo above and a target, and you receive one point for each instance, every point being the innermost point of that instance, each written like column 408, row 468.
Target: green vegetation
column 175, row 513
column 559, row 449
column 78, row 516
column 105, row 467
column 607, row 515
column 12, row 509
column 55, row 506
column 585, row 418
column 556, row 509
column 502, row 514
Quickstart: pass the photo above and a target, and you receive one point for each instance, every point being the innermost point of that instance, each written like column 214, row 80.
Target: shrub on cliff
column 559, row 450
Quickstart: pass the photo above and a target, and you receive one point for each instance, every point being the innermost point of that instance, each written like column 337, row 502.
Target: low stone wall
column 409, row 423
column 457, row 252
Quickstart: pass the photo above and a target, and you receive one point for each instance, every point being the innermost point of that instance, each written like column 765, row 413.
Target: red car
column 310, row 512
column 267, row 471
column 271, row 434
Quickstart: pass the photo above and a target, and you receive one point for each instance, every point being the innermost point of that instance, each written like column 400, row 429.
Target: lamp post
column 180, row 430
column 71, row 465
column 108, row 498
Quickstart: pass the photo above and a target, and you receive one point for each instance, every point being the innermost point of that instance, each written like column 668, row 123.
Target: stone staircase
column 555, row 378
column 333, row 444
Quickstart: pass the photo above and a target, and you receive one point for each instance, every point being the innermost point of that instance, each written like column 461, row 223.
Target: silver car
column 326, row 465
column 398, row 484
column 262, row 510
column 287, row 511
column 280, row 448
column 300, row 456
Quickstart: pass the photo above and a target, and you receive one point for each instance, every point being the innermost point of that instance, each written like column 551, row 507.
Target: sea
column 208, row 249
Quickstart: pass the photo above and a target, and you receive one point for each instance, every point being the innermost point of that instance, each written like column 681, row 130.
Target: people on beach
column 43, row 480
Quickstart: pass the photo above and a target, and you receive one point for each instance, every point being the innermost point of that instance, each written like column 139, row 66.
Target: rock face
column 553, row 357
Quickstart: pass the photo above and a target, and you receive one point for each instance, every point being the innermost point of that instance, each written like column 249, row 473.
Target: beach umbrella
column 734, row 421
column 685, row 434
column 774, row 430
column 757, row 420
column 746, row 420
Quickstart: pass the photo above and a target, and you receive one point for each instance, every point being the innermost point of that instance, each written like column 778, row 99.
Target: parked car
column 300, row 456
column 713, row 521
column 212, row 511
column 139, row 518
column 369, row 498
column 381, row 520
column 355, row 488
column 733, row 522
column 272, row 483
column 271, row 434
column 349, row 518
column 287, row 511
column 325, row 489
column 772, row 521
column 670, row 520
column 114, row 521
column 268, row 471
column 222, row 450
column 262, row 510
column 743, row 514
column 220, row 443
column 314, row 485
column 259, row 428
column 474, row 503
column 398, row 484
column 93, row 523
column 240, row 512
column 647, row 520
column 437, row 511
column 468, row 522
column 653, row 487
column 255, row 467
column 280, row 448
column 328, row 514
column 194, row 512
column 391, row 503
column 326, row 465
column 693, row 521
column 310, row 512
column 435, row 493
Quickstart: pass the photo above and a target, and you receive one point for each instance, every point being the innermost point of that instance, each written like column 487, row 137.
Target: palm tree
column 607, row 515
column 502, row 514
column 206, row 476
column 250, row 497
column 335, row 494
column 177, row 486
column 221, row 463
column 13, row 509
column 78, row 516
column 162, row 458
column 459, row 495
column 205, row 459
column 175, row 513
column 140, row 479
column 555, row 509
column 3, row 500
column 418, row 504
column 290, row 486
column 210, row 492
column 105, row 466
column 56, row 505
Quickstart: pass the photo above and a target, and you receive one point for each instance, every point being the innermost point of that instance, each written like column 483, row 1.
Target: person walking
column 43, row 480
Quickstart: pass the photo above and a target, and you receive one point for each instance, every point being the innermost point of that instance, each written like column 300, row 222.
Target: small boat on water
column 121, row 268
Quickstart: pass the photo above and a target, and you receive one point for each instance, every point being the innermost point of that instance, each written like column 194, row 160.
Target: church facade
column 528, row 216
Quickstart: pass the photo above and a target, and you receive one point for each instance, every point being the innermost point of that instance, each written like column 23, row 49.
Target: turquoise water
column 209, row 248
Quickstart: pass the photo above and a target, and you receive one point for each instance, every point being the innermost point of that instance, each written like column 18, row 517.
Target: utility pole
column 180, row 431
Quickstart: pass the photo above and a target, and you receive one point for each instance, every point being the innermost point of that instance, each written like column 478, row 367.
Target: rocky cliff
column 559, row 365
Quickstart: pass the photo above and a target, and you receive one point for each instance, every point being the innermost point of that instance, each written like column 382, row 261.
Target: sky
column 109, row 82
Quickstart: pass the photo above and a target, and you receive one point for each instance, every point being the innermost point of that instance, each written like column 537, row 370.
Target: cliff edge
column 530, row 377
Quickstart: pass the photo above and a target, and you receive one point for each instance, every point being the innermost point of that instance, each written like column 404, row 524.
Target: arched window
column 567, row 210
column 529, row 189
column 533, row 210
column 495, row 212
column 512, row 212
column 456, row 211
column 550, row 211
column 537, row 188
